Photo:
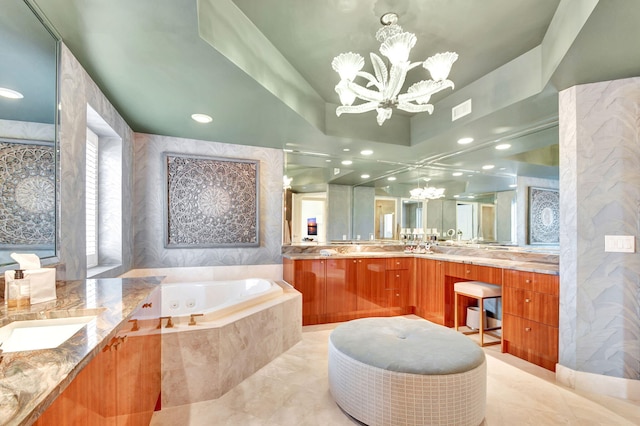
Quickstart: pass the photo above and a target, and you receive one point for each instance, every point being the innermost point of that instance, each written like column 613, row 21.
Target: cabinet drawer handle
column 468, row 271
column 527, row 300
column 397, row 263
column 354, row 261
column 397, row 276
column 527, row 281
column 527, row 329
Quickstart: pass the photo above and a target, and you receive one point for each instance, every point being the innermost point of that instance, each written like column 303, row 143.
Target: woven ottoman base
column 380, row 396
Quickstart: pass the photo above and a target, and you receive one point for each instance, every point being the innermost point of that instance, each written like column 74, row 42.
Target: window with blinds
column 91, row 188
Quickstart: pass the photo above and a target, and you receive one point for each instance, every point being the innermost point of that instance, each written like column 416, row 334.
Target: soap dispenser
column 19, row 290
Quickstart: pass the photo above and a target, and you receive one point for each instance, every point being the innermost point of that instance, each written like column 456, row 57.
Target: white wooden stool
column 477, row 290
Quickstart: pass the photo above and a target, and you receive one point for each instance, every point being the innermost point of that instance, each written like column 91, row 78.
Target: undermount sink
column 30, row 335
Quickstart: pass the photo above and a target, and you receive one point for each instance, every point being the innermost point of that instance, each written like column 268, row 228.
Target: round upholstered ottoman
column 399, row 371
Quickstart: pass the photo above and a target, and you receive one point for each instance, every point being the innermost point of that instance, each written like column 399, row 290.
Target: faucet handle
column 169, row 322
column 192, row 320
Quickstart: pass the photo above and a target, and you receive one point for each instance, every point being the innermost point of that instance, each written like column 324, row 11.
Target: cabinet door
column 138, row 370
column 310, row 281
column 430, row 290
column 371, row 284
column 531, row 340
column 341, row 286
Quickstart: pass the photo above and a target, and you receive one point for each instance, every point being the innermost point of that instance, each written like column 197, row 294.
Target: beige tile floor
column 293, row 390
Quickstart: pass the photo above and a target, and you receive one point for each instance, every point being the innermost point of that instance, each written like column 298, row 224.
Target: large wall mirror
column 28, row 133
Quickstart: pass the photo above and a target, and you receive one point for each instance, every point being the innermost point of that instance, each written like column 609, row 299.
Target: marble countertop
column 31, row 380
column 518, row 265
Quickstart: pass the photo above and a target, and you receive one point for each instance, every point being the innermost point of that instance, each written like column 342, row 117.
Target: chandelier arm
column 356, row 109
column 371, row 79
column 436, row 87
column 408, row 107
column 366, row 94
column 413, row 65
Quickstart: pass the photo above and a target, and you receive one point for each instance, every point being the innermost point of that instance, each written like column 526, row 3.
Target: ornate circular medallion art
column 544, row 216
column 27, row 194
column 212, row 202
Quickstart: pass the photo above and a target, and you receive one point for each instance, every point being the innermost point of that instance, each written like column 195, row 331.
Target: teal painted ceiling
column 262, row 70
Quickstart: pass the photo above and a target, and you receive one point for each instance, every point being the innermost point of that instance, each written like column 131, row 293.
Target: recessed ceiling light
column 503, row 146
column 346, row 149
column 488, row 167
column 328, row 161
column 11, row 94
column 502, row 168
column 202, row 118
column 366, row 152
column 347, row 162
column 365, row 176
column 513, row 185
column 465, row 141
column 287, row 150
column 456, row 174
column 471, row 196
column 391, row 178
column 456, row 196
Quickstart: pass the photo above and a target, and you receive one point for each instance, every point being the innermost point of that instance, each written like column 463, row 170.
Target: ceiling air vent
column 461, row 110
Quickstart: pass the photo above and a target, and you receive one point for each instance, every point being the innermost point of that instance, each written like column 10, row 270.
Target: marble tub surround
column 205, row 361
column 210, row 273
column 31, row 380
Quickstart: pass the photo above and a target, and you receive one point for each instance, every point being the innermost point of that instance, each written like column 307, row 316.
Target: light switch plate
column 620, row 243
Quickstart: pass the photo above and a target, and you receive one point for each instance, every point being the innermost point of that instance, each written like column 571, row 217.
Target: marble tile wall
column 204, row 364
column 600, row 195
column 363, row 211
column 339, row 212
column 77, row 90
column 150, row 205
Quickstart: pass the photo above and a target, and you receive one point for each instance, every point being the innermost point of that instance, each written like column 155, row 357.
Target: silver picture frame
column 211, row 201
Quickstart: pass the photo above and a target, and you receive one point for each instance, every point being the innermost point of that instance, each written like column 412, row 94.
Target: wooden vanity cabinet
column 339, row 289
column 430, row 290
column 530, row 320
column 328, row 287
column 120, row 386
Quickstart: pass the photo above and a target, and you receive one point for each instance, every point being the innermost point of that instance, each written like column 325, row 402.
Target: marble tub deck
column 294, row 390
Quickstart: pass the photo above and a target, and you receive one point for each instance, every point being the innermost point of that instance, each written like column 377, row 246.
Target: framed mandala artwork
column 211, row 202
column 27, row 194
column 544, row 216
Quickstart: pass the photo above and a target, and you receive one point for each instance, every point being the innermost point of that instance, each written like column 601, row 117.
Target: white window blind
column 91, row 185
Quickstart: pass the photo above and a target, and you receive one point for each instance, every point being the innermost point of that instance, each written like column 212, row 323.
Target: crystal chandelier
column 426, row 193
column 395, row 45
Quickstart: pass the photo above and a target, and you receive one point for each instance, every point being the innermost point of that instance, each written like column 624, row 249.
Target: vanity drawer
column 531, row 305
column 400, row 263
column 530, row 340
column 541, row 283
column 470, row 272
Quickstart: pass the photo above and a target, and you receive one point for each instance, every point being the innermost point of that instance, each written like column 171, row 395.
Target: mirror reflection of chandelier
column 395, row 45
column 426, row 193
